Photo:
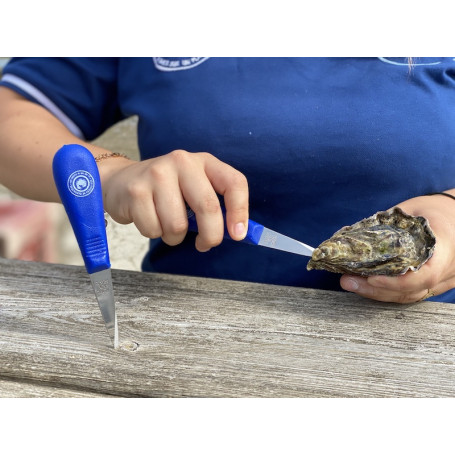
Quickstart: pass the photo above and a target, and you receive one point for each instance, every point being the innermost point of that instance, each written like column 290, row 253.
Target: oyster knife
column 258, row 234
column 78, row 183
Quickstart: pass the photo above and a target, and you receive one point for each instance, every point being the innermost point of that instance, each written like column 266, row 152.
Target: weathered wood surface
column 210, row 338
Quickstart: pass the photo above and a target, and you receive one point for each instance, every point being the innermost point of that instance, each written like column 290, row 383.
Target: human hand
column 435, row 277
column 152, row 195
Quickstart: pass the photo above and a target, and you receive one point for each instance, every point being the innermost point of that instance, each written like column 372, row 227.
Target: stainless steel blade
column 102, row 285
column 272, row 239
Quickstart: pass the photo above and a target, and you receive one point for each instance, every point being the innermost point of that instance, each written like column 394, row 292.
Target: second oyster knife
column 259, row 235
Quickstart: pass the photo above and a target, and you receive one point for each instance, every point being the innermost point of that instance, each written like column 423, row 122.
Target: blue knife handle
column 78, row 183
column 253, row 234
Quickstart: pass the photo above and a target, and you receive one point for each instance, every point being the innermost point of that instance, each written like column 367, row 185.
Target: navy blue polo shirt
column 323, row 142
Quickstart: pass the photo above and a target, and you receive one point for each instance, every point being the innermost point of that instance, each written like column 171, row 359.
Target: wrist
column 110, row 162
column 448, row 193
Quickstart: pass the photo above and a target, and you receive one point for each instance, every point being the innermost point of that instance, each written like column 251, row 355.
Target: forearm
column 29, row 138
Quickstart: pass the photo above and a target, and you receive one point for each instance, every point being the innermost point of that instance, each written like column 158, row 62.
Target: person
column 303, row 146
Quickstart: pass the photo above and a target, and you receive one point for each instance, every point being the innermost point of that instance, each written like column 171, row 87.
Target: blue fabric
column 85, row 89
column 324, row 142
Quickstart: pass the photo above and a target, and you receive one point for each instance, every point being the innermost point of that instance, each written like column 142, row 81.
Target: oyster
column 387, row 243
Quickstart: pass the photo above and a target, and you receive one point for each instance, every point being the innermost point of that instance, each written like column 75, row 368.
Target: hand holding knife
column 78, row 183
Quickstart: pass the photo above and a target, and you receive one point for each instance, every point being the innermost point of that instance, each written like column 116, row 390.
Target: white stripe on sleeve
column 41, row 98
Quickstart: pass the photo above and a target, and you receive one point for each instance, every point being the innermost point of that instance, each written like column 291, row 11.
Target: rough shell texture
column 387, row 243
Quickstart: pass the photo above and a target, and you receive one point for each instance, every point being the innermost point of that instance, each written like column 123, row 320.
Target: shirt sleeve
column 80, row 92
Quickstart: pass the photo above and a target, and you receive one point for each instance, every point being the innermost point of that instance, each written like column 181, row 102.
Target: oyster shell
column 387, row 243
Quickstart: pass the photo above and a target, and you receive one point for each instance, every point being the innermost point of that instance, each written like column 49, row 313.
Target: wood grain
column 194, row 337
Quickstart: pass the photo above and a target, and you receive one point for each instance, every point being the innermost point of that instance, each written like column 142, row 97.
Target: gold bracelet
column 103, row 156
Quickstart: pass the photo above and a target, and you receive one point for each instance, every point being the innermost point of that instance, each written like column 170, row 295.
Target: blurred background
column 39, row 231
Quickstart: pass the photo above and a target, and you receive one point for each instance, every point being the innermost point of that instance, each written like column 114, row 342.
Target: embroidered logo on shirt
column 177, row 63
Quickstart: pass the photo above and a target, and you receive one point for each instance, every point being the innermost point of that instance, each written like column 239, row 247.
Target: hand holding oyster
column 387, row 243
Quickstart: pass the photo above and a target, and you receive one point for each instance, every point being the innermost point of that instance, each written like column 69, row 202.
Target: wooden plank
column 16, row 388
column 183, row 336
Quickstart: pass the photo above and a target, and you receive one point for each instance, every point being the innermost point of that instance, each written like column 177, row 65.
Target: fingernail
column 239, row 230
column 351, row 285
